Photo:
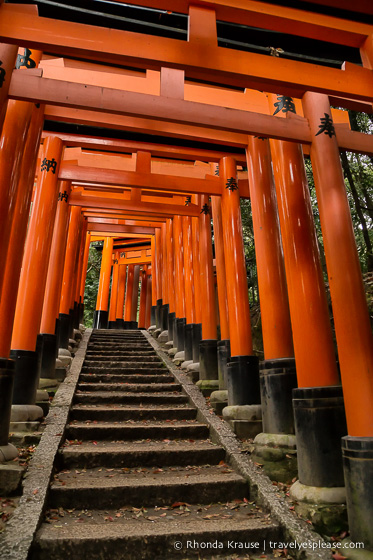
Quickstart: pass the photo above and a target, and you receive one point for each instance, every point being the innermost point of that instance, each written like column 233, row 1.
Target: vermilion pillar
column 243, row 372
column 34, row 273
column 135, row 296
column 114, row 294
column 190, row 309
column 165, row 299
column 78, row 300
column 54, row 283
column 154, row 282
column 208, row 346
column 158, row 273
column 102, row 304
column 8, row 55
column 171, row 278
column 148, row 302
column 129, row 292
column 84, row 270
column 120, row 298
column 197, row 333
column 143, row 293
column 277, row 372
column 179, row 283
column 66, row 315
column 18, row 232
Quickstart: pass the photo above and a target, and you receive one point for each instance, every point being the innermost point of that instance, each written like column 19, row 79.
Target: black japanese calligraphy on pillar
column 205, row 209
column 188, row 200
column 48, row 164
column 284, row 104
column 326, row 126
column 115, row 261
column 25, row 60
column 231, row 184
column 2, row 74
column 217, row 171
column 63, row 196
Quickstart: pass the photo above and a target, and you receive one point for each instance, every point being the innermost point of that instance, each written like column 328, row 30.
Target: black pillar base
column 72, row 313
column 197, row 337
column 170, row 326
column 208, row 359
column 63, row 341
column 243, row 380
column 100, row 320
column 358, row 472
column 119, row 324
column 134, row 325
column 180, row 328
column 7, row 369
column 320, row 423
column 112, row 325
column 81, row 313
column 127, row 325
column 48, row 356
column 224, row 354
column 76, row 315
column 278, row 378
column 158, row 314
column 188, row 341
column 26, row 376
column 57, row 333
column 153, row 313
column 164, row 316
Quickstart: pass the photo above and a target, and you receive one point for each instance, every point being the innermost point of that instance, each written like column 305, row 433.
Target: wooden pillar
column 84, row 271
column 220, row 267
column 34, row 273
column 102, row 304
column 179, row 283
column 159, row 274
column 17, row 238
column 148, row 302
column 171, row 278
column 190, row 313
column 135, row 295
column 129, row 292
column 8, row 56
column 114, row 294
column 351, row 317
column 143, row 296
column 154, row 282
column 81, row 271
column 120, row 298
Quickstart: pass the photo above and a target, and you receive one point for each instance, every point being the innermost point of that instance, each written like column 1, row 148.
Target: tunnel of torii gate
column 146, row 144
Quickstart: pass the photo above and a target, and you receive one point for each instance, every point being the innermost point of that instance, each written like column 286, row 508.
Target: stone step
column 130, row 387
column 100, row 397
column 120, row 413
column 133, row 430
column 118, row 352
column 132, row 538
column 118, row 488
column 110, row 360
column 135, row 454
column 149, row 361
column 132, row 368
column 124, row 378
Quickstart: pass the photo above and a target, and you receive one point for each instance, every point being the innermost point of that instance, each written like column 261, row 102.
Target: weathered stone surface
column 285, row 441
column 278, row 455
column 185, row 364
column 163, row 337
column 64, row 352
column 171, row 352
column 42, row 395
column 156, row 333
column 316, row 495
column 24, row 426
column 219, row 396
column 207, row 386
column 249, row 412
column 245, row 429
column 45, row 383
column 193, row 367
column 65, row 360
column 25, row 413
column 350, row 551
column 11, row 476
column 169, row 344
column 7, row 452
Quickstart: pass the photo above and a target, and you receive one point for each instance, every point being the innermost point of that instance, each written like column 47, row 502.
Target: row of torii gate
column 152, row 205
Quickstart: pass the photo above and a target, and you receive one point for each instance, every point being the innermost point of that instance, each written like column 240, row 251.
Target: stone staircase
column 137, row 475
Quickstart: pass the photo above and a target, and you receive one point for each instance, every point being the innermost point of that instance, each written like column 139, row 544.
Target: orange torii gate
column 317, row 86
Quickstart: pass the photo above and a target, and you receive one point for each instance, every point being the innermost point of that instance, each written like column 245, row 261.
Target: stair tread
column 134, row 407
column 139, row 445
column 135, row 424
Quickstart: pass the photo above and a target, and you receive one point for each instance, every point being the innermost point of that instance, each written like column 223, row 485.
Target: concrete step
column 120, row 413
column 91, row 354
column 131, row 538
column 130, row 387
column 118, row 488
column 133, row 368
column 109, row 361
column 124, row 378
column 132, row 430
column 100, row 397
column 140, row 453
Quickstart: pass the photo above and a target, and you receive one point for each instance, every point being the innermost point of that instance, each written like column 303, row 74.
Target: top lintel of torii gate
column 218, row 64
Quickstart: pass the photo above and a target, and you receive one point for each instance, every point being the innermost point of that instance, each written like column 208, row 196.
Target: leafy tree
column 91, row 285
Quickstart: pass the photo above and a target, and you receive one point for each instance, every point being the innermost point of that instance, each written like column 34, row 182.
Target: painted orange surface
column 207, row 283
column 220, row 267
column 102, row 302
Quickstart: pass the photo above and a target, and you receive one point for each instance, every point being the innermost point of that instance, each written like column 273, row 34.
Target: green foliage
column 91, row 285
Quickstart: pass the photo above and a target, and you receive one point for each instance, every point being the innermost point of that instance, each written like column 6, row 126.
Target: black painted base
column 134, row 325
column 358, row 472
column 164, row 316
column 224, row 354
column 127, row 325
column 7, row 369
column 180, row 328
column 243, row 380
column 72, row 314
column 26, row 376
column 174, row 334
column 48, row 356
column 208, row 359
column 170, row 326
column 119, row 323
column 278, row 378
column 197, row 337
column 112, row 325
column 63, row 341
column 81, row 313
column 100, row 320
column 188, row 341
column 158, row 314
column 76, row 315
column 320, row 423
column 153, row 315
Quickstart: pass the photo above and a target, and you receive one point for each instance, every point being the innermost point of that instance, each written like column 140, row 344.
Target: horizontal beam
column 37, row 89
column 218, row 64
column 152, row 181
column 118, row 228
column 118, row 204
